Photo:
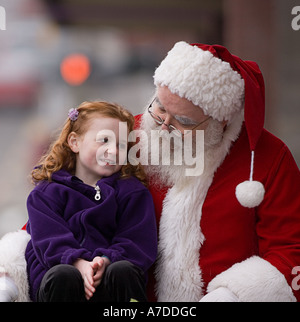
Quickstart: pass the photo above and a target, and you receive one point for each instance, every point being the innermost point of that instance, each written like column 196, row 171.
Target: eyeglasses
column 158, row 120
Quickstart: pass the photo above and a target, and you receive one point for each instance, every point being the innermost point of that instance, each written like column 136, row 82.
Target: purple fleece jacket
column 66, row 223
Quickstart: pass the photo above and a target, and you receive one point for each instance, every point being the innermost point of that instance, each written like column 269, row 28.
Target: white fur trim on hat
column 203, row 79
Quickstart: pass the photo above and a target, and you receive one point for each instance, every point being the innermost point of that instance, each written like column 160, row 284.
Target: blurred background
column 54, row 54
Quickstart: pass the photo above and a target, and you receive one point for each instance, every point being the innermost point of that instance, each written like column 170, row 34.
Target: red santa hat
column 221, row 84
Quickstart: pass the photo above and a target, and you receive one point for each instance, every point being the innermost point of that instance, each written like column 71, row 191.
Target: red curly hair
column 60, row 155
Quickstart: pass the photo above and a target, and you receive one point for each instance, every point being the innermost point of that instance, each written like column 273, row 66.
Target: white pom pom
column 250, row 193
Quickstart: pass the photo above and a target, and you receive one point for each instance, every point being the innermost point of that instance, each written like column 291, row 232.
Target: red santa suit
column 210, row 234
column 252, row 251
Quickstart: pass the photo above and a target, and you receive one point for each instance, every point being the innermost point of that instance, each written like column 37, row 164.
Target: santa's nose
column 166, row 124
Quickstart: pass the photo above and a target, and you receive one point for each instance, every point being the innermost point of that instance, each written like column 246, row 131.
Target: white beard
column 172, row 173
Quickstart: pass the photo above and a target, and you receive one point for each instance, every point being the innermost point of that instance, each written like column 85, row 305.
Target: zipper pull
column 97, row 195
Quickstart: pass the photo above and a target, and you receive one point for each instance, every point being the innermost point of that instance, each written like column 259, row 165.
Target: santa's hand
column 221, row 294
column 8, row 289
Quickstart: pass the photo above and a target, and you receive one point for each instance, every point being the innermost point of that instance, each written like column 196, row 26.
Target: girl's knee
column 123, row 269
column 62, row 283
column 63, row 273
column 124, row 281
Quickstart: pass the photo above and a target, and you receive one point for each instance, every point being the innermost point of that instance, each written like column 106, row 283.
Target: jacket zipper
column 97, row 195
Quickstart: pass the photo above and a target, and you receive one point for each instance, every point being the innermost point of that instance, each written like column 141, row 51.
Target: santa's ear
column 73, row 142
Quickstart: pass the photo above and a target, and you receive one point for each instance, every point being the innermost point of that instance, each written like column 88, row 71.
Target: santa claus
column 233, row 232
column 230, row 232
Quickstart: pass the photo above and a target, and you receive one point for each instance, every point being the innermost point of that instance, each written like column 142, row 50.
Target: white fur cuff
column 254, row 280
column 12, row 261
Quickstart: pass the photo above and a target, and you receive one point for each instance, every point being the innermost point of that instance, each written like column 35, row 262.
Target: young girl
column 91, row 219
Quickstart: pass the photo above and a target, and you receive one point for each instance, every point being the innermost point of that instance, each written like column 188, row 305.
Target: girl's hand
column 99, row 264
column 92, row 273
column 87, row 271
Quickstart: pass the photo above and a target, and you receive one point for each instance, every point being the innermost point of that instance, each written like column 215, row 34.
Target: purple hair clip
column 73, row 114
